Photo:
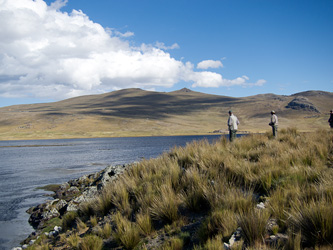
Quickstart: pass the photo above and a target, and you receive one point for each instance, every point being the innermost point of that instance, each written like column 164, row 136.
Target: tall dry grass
column 165, row 205
column 73, row 240
column 292, row 174
column 219, row 222
column 253, row 224
column 214, row 243
column 91, row 242
column 105, row 231
column 314, row 220
column 144, row 223
column 126, row 232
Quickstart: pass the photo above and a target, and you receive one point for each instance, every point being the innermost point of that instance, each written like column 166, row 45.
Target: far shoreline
column 129, row 136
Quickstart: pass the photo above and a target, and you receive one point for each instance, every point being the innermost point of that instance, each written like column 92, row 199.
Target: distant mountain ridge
column 136, row 112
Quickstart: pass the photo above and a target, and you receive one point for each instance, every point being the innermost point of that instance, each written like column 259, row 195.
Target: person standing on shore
column 232, row 125
column 330, row 120
column 274, row 123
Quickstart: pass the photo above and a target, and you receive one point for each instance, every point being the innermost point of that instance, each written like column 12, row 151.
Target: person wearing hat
column 232, row 125
column 330, row 121
column 274, row 123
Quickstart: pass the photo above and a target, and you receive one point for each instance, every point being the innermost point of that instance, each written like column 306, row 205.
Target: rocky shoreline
column 67, row 198
column 69, row 195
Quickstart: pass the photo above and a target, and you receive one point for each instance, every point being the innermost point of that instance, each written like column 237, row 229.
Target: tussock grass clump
column 88, row 209
column 294, row 240
column 105, row 231
column 194, row 195
column 220, row 222
column 126, row 232
column 80, row 225
column 144, row 224
column 93, row 220
column 314, row 220
column 253, row 224
column 103, row 203
column 174, row 243
column 91, row 242
column 73, row 240
column 165, row 204
column 224, row 195
column 69, row 220
column 41, row 244
column 120, row 198
column 215, row 243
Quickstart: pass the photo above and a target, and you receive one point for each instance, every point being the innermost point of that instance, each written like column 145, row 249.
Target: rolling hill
column 136, row 112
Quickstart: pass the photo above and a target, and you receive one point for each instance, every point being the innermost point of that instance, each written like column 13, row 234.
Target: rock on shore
column 70, row 195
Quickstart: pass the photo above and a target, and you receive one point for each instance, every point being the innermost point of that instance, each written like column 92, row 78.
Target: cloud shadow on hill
column 153, row 106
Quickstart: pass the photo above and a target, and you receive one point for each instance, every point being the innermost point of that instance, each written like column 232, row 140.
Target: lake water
column 26, row 165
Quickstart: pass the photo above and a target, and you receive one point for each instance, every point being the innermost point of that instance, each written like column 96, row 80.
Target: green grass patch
column 49, row 226
column 51, row 187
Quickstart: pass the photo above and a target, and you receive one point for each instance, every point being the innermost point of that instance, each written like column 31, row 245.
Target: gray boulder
column 50, row 214
column 61, row 190
column 109, row 174
column 87, row 195
column 61, row 205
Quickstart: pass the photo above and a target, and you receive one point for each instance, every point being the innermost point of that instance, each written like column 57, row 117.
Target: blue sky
column 53, row 50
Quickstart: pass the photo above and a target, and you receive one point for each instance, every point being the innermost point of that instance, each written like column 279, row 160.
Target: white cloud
column 214, row 80
column 117, row 33
column 47, row 53
column 164, row 47
column 206, row 64
column 260, row 82
column 58, row 4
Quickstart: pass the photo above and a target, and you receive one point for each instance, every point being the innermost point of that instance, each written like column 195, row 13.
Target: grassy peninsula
column 255, row 193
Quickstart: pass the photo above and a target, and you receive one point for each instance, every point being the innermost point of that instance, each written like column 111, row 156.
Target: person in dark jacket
column 330, row 121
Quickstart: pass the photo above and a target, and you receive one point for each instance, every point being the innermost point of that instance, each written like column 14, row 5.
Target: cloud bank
column 206, row 64
column 48, row 53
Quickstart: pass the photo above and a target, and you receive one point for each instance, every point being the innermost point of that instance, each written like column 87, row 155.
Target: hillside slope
column 135, row 112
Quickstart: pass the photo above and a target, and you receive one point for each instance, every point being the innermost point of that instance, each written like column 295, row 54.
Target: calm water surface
column 26, row 165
